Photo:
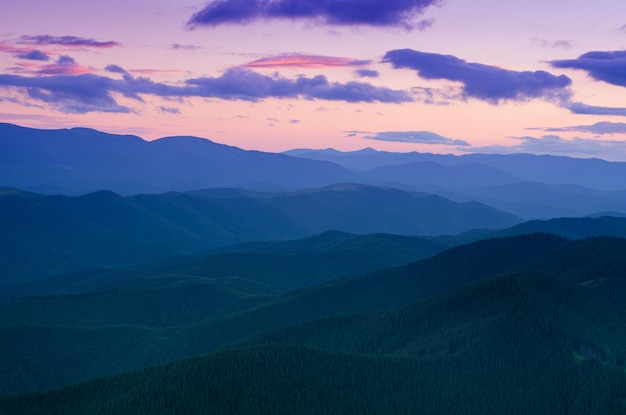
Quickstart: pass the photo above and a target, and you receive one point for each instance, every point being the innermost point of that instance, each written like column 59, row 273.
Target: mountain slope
column 369, row 293
column 514, row 344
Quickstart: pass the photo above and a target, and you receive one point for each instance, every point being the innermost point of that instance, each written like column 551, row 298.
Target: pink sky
column 426, row 75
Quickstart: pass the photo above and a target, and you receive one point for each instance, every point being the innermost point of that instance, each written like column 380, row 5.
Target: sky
column 440, row 76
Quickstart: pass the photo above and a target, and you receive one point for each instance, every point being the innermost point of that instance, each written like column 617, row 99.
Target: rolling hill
column 51, row 235
column 599, row 273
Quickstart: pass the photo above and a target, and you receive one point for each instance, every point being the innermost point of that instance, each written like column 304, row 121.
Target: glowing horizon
column 273, row 78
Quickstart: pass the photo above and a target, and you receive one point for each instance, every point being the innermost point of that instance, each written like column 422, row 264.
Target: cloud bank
column 608, row 67
column 380, row 13
column 89, row 92
column 418, row 137
column 601, row 128
column 483, row 82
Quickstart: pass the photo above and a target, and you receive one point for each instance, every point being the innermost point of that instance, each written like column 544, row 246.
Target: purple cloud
column 116, row 69
column 69, row 41
column 89, row 92
column 380, row 13
column 609, row 67
column 169, row 110
column 603, row 127
column 72, row 94
column 65, row 65
column 34, row 55
column 66, row 60
column 484, row 82
column 581, row 108
column 243, row 84
column 366, row 73
column 420, row 137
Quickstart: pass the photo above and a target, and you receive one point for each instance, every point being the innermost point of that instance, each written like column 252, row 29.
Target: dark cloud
column 367, row 73
column 580, row 108
column 69, row 41
column 380, row 13
column 603, row 127
column 294, row 121
column 89, row 92
column 34, row 55
column 484, row 82
column 609, row 67
column 421, row 137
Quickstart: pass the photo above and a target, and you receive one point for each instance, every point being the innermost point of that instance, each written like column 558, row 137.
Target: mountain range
column 184, row 276
column 47, row 235
column 79, row 160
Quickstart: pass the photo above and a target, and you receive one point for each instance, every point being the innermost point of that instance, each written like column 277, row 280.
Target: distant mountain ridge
column 592, row 172
column 527, row 185
column 81, row 160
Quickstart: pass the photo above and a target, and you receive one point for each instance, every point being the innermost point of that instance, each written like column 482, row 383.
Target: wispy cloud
column 581, row 108
column 65, row 65
column 90, row 92
column 484, row 82
column 146, row 71
column 608, row 67
column 601, row 128
column 556, row 145
column 23, row 52
column 169, row 110
column 67, row 41
column 418, row 137
column 304, row 61
column 381, row 13
column 177, row 46
column 554, row 44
